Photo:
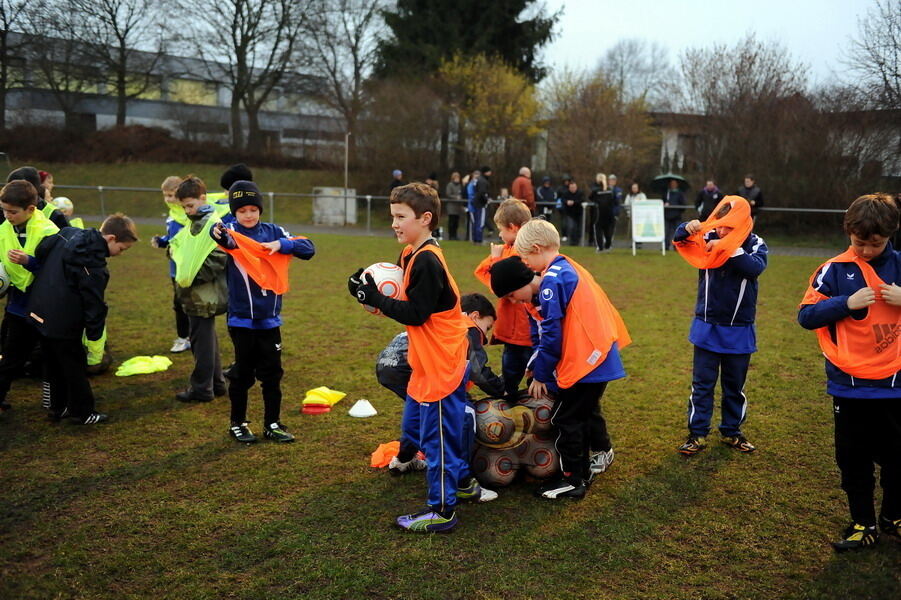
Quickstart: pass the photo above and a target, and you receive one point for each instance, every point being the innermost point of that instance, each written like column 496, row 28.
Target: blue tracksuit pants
column 732, row 370
column 443, row 436
column 476, row 223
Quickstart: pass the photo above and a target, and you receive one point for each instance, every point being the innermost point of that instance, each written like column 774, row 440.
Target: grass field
column 159, row 502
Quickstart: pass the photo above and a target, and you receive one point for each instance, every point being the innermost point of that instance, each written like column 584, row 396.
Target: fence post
column 368, row 214
column 102, row 203
column 272, row 207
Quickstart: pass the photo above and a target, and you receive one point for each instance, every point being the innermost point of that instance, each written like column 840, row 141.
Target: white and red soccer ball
column 389, row 279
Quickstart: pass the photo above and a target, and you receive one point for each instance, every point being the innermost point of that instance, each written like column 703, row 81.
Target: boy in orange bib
column 854, row 305
column 437, row 333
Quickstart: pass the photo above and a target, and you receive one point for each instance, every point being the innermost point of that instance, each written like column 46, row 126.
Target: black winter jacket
column 67, row 294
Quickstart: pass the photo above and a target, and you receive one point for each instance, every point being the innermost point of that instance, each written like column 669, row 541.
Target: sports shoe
column 739, row 442
column 277, row 433
column 220, row 391
column 692, row 445
column 599, row 461
column 57, row 416
column 242, row 433
column 189, row 396
column 890, row 527
column 93, row 418
column 563, row 487
column 396, row 467
column 180, row 345
column 473, row 492
column 857, row 536
column 427, row 521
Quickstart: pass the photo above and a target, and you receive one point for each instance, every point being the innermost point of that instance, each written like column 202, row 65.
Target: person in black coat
column 707, row 199
column 673, row 202
column 67, row 301
column 750, row 191
column 605, row 212
column 572, row 200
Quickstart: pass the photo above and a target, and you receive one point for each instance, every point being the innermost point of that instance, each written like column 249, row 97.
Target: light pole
column 346, row 160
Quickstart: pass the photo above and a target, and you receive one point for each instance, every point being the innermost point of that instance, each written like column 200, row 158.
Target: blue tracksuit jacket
column 556, row 290
column 249, row 306
column 838, row 281
column 727, row 298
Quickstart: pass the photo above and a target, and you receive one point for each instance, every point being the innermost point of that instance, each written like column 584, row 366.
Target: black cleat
column 857, row 536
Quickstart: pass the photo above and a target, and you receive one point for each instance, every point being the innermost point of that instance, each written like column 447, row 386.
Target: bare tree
column 124, row 39
column 340, row 39
column 638, row 69
column 57, row 56
column 12, row 14
column 250, row 45
column 875, row 53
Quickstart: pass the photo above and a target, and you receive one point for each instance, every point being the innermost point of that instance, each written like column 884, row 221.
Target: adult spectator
column 604, row 210
column 546, row 194
column 397, row 180
column 475, row 207
column 750, row 191
column 707, row 199
column 454, row 207
column 572, row 211
column 483, row 196
column 523, row 189
column 561, row 191
column 673, row 200
column 616, row 191
column 635, row 195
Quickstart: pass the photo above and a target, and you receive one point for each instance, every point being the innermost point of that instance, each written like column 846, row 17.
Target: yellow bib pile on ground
column 140, row 365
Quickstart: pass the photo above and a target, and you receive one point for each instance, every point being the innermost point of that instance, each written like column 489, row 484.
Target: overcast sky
column 814, row 31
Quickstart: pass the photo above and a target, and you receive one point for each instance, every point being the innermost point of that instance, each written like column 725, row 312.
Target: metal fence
column 297, row 208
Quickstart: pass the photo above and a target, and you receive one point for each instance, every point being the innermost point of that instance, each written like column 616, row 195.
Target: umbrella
column 661, row 182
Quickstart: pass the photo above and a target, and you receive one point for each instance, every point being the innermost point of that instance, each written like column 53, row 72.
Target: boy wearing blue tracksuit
column 254, row 319
column 724, row 338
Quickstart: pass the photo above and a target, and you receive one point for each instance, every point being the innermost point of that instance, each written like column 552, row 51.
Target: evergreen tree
column 426, row 32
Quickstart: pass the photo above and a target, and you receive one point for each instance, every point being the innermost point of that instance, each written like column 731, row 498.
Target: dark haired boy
column 23, row 230
column 854, row 304
column 437, row 332
column 33, row 176
column 254, row 319
column 67, row 302
column 202, row 291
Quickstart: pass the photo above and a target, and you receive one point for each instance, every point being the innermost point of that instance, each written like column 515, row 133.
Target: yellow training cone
column 323, row 395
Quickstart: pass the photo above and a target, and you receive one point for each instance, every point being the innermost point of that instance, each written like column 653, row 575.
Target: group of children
column 575, row 337
column 559, row 329
column 225, row 259
column 58, row 277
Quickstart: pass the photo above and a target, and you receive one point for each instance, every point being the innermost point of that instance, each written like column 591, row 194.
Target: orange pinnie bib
column 590, row 327
column 269, row 271
column 438, row 347
column 694, row 249
column 512, row 324
column 868, row 348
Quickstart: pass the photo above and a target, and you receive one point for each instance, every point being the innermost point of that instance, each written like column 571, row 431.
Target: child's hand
column 368, row 293
column 354, row 282
column 712, row 244
column 155, row 241
column 537, row 389
column 18, row 257
column 693, row 226
column 862, row 298
column 891, row 293
column 496, row 250
column 273, row 247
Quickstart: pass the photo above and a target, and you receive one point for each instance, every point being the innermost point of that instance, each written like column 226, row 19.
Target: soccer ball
column 389, row 278
column 538, row 455
column 494, row 423
column 63, row 204
column 4, row 281
column 494, row 468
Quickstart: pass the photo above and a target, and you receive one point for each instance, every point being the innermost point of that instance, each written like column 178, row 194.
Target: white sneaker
column 599, row 461
column 415, row 464
column 180, row 345
column 487, row 495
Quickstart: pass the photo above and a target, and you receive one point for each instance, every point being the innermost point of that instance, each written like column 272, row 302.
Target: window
column 191, row 91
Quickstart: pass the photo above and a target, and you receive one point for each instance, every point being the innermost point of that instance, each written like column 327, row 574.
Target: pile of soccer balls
column 513, row 437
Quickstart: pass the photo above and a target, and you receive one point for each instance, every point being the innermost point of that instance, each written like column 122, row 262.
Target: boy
column 576, row 355
column 730, row 259
column 202, row 291
column 67, row 302
column 32, row 176
column 393, row 372
column 254, row 321
column 854, row 304
column 24, row 228
column 512, row 327
column 175, row 220
column 430, row 308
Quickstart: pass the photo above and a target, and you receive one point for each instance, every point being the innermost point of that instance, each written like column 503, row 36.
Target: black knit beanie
column 509, row 275
column 238, row 172
column 244, row 193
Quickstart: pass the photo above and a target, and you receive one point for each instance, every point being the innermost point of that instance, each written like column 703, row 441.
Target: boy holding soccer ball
column 436, row 328
column 254, row 306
